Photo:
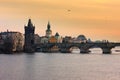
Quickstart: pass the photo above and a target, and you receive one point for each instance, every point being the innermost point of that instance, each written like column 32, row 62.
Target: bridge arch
column 96, row 49
column 103, row 48
column 74, row 49
column 83, row 47
column 116, row 49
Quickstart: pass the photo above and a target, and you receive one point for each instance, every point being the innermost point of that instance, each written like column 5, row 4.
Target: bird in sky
column 68, row 10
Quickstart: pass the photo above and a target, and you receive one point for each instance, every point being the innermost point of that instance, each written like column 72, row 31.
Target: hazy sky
column 97, row 19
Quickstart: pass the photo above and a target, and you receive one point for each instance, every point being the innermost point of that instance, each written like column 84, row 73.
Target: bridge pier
column 44, row 50
column 65, row 50
column 106, row 50
column 84, row 51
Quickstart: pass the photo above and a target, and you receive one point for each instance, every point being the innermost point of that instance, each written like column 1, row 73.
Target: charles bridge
column 84, row 47
column 64, row 47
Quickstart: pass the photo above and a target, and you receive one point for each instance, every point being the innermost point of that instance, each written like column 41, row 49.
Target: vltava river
column 57, row 66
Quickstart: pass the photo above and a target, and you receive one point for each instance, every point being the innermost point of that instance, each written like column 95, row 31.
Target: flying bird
column 68, row 10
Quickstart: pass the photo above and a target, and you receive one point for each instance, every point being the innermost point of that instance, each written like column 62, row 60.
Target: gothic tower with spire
column 29, row 37
column 48, row 31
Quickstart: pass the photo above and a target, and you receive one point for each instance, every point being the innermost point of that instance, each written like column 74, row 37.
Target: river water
column 59, row 66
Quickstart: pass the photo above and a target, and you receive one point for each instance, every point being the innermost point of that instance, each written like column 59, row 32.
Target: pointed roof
column 48, row 26
column 57, row 34
column 30, row 23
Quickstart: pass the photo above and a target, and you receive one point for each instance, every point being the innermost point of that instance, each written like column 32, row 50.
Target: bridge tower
column 29, row 37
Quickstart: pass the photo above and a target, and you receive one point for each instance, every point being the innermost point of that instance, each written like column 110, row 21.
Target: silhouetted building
column 89, row 40
column 1, row 40
column 52, row 39
column 82, row 39
column 37, row 39
column 44, row 39
column 48, row 31
column 14, row 38
column 58, row 37
column 29, row 37
column 67, row 39
column 79, row 39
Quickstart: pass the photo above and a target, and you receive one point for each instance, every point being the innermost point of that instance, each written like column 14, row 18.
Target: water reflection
column 116, row 50
column 76, row 50
column 96, row 50
column 57, row 66
column 29, row 68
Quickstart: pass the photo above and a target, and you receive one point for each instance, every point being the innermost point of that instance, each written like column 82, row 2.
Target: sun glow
column 97, row 19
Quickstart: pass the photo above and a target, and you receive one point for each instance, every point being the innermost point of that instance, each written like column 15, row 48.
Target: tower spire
column 30, row 23
column 48, row 31
column 48, row 26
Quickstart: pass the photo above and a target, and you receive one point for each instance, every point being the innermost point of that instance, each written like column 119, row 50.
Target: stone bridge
column 84, row 47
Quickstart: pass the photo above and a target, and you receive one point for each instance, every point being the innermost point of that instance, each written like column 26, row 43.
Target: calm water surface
column 57, row 66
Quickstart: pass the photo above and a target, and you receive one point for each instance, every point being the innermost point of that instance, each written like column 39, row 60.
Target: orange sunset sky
column 96, row 19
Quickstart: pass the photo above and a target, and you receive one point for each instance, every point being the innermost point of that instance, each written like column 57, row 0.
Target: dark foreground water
column 43, row 66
